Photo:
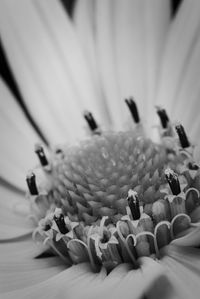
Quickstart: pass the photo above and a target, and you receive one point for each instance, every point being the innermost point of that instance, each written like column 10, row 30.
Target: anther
column 91, row 122
column 164, row 119
column 182, row 136
column 133, row 109
column 41, row 155
column 60, row 221
column 31, row 182
column 133, row 202
column 173, row 181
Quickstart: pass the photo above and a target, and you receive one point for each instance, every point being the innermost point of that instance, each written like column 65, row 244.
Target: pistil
column 173, row 181
column 133, row 202
column 91, row 122
column 164, row 119
column 133, row 109
column 60, row 221
column 41, row 155
column 182, row 136
column 31, row 182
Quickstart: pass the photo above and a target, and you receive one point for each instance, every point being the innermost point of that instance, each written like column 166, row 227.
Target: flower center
column 115, row 196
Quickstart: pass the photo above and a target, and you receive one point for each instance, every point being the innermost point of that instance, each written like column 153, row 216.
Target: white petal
column 129, row 47
column 107, row 60
column 140, row 31
column 191, row 239
column 17, row 141
column 74, row 61
column 180, row 43
column 62, row 285
column 123, row 282
column 25, row 249
column 184, row 277
column 19, row 268
column 14, row 211
column 84, row 20
column 37, row 58
column 188, row 256
column 156, row 16
column 190, row 90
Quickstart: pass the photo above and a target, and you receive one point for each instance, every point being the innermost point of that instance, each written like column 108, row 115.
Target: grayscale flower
column 112, row 210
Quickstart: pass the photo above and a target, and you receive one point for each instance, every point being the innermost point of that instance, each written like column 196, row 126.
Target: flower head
column 117, row 213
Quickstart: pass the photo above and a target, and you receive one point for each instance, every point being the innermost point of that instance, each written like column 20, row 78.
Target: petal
column 19, row 268
column 73, row 58
column 186, row 255
column 125, row 283
column 180, row 44
column 183, row 271
column 191, row 239
column 189, row 89
column 157, row 23
column 17, row 140
column 14, row 212
column 40, row 66
column 84, row 19
column 107, row 61
column 140, row 31
column 67, row 284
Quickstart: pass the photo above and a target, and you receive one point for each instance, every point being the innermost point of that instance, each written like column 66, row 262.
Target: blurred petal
column 67, row 284
column 43, row 66
column 190, row 90
column 157, row 23
column 13, row 214
column 140, row 31
column 19, row 268
column 186, row 255
column 180, row 44
column 73, row 58
column 191, row 239
column 17, row 140
column 84, row 19
column 125, row 283
column 183, row 271
column 107, row 60
column 163, row 288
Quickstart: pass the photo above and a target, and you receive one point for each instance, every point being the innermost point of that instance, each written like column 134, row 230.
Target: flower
column 134, row 46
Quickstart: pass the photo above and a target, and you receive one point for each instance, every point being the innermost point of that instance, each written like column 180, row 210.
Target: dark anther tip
column 31, row 182
column 164, row 119
column 41, row 155
column 133, row 109
column 182, row 136
column 173, row 181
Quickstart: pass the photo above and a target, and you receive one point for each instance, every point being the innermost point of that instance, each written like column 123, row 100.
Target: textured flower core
column 107, row 200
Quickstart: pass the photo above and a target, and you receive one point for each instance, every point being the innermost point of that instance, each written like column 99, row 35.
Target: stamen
column 91, row 122
column 164, row 119
column 133, row 203
column 182, row 136
column 133, row 109
column 30, row 179
column 46, row 223
column 173, row 181
column 60, row 221
column 41, row 155
column 106, row 236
